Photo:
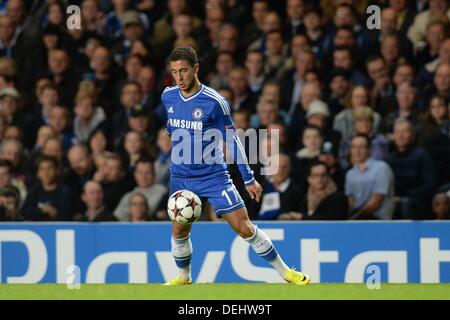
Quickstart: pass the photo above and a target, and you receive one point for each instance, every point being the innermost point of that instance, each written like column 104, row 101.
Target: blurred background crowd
column 362, row 114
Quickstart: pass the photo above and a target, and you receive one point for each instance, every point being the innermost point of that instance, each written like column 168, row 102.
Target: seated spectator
column 134, row 148
column 11, row 106
column 59, row 120
column 48, row 199
column 10, row 204
column 329, row 155
column 441, row 206
column 340, row 85
column 7, row 180
column 138, row 210
column 363, row 123
column 280, row 197
column 98, row 142
column 224, row 63
column 266, row 113
column 162, row 162
column 81, row 169
column 369, row 184
column 254, row 63
column 12, row 150
column 343, row 122
column 407, row 108
column 87, row 116
column 94, row 201
column 323, row 201
column 310, row 92
column 312, row 139
column 318, row 115
column 414, row 170
column 115, row 181
column 144, row 175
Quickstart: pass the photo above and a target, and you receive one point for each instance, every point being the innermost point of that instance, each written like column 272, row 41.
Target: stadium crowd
column 362, row 114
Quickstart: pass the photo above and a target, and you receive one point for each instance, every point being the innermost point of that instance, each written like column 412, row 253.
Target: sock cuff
column 181, row 240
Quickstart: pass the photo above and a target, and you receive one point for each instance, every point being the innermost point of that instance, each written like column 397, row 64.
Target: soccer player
column 195, row 108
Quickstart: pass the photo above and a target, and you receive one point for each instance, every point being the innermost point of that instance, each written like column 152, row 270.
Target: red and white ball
column 184, row 207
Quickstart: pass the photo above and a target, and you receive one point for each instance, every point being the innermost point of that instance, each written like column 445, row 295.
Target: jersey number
column 233, row 191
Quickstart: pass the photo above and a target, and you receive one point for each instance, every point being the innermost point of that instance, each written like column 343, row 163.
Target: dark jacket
column 60, row 198
column 333, row 207
column 414, row 172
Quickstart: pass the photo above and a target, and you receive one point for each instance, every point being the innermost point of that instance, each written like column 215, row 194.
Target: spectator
column 225, row 62
column 144, row 175
column 295, row 10
column 323, row 201
column 280, row 198
column 63, row 75
column 162, row 162
column 318, row 115
column 441, row 206
column 87, row 116
column 47, row 99
column 48, row 199
column 254, row 63
column 131, row 96
column 138, row 210
column 93, row 199
column 311, row 92
column 369, row 184
column 134, row 148
column 10, row 204
column 438, row 9
column 329, row 155
column 414, row 172
column 7, row 180
column 344, row 58
column 60, row 121
column 339, row 86
column 407, row 108
column 115, row 182
column 243, row 98
column 363, row 123
column 81, row 169
column 292, row 83
column 343, row 122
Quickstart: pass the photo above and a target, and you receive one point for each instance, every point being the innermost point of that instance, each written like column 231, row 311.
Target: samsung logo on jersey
column 186, row 124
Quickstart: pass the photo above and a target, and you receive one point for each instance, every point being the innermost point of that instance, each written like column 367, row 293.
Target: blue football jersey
column 194, row 124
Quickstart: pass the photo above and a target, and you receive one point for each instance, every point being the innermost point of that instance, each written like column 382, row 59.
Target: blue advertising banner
column 397, row 252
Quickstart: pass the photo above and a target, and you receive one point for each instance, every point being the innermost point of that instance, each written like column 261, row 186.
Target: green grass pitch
column 222, row 291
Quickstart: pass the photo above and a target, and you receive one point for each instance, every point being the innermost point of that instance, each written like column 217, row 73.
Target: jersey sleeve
column 232, row 142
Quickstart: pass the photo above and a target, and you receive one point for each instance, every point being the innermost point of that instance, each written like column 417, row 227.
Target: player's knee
column 246, row 230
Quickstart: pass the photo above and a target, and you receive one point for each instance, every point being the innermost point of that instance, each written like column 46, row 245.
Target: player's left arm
column 234, row 145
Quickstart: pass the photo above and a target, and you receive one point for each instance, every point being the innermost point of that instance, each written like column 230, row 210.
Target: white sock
column 182, row 252
column 264, row 247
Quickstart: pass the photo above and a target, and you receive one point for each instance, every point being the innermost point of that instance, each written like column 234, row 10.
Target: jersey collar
column 202, row 86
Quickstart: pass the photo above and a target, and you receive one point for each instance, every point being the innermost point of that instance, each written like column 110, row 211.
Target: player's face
column 184, row 74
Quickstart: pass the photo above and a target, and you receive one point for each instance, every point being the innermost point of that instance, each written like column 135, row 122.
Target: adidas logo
column 170, row 110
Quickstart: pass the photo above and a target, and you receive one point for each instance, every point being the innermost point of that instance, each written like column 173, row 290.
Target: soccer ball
column 184, row 207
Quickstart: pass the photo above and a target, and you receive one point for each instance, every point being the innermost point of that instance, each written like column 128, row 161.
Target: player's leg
column 228, row 204
column 181, row 244
column 263, row 246
column 182, row 250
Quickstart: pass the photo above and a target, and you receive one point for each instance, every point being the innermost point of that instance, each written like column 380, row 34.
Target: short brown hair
column 186, row 53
